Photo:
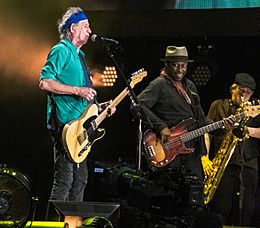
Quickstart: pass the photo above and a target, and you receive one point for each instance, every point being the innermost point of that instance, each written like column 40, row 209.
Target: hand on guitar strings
column 165, row 134
column 102, row 106
column 229, row 123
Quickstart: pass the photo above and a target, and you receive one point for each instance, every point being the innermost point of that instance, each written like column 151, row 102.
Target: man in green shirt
column 66, row 78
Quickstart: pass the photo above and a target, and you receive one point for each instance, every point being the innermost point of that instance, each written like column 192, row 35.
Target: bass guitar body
column 79, row 135
column 161, row 153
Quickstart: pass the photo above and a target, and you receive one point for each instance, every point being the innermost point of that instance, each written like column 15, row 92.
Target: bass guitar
column 79, row 135
column 161, row 153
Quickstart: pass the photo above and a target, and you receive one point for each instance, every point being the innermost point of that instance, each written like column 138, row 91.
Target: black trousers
column 235, row 206
column 70, row 179
column 192, row 165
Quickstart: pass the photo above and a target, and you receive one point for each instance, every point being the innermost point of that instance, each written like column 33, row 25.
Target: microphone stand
column 139, row 144
column 241, row 189
column 134, row 100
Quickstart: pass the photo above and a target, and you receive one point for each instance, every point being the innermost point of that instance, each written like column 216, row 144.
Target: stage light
column 17, row 204
column 203, row 69
column 109, row 76
column 105, row 78
column 121, row 179
column 165, row 195
column 169, row 191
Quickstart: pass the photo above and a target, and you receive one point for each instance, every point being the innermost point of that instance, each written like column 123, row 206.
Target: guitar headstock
column 252, row 111
column 137, row 77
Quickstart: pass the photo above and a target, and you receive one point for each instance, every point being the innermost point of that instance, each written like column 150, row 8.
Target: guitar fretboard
column 208, row 128
column 137, row 77
column 113, row 104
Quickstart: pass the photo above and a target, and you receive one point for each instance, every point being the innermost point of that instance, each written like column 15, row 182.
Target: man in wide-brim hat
column 176, row 54
column 176, row 57
column 167, row 101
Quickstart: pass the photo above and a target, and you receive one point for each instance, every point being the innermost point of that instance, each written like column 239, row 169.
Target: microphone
column 95, row 38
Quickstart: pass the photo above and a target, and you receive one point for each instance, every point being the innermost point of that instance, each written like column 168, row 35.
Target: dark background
column 28, row 31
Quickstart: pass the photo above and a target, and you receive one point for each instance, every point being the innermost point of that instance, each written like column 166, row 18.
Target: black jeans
column 70, row 179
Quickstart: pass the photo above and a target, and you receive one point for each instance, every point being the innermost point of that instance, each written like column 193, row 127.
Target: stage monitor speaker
column 57, row 210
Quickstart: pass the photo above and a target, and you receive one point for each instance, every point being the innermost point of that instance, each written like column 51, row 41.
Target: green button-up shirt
column 63, row 65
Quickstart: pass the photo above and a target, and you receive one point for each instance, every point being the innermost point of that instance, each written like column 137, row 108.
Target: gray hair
column 65, row 33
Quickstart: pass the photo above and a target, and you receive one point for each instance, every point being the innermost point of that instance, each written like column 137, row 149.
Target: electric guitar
column 79, row 135
column 161, row 153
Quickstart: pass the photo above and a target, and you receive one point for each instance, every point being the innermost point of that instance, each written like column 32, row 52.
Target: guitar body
column 79, row 135
column 160, row 153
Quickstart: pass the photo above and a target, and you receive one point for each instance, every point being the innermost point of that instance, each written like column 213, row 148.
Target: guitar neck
column 113, row 104
column 208, row 128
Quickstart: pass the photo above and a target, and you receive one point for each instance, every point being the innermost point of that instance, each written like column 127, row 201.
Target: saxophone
column 225, row 152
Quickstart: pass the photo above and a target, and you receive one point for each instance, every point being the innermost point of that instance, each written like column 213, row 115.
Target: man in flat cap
column 234, row 198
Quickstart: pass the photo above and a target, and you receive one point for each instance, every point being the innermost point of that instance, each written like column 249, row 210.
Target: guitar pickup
column 151, row 151
column 81, row 152
column 84, row 149
column 93, row 125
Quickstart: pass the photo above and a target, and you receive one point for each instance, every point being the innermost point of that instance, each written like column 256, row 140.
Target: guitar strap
column 87, row 76
column 86, row 70
column 54, row 126
column 53, row 123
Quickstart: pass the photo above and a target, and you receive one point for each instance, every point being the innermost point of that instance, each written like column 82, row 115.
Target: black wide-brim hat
column 176, row 54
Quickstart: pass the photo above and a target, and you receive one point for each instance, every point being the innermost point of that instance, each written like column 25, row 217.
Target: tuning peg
column 140, row 70
column 134, row 73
